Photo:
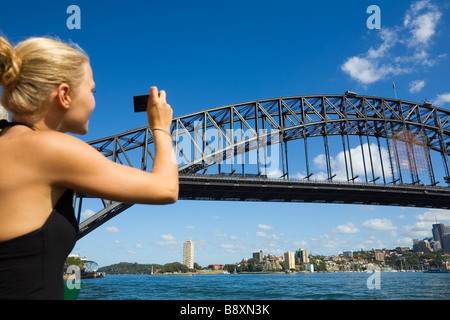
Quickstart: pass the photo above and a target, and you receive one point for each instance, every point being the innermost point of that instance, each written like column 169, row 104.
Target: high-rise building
column 188, row 254
column 289, row 259
column 445, row 242
column 302, row 256
column 439, row 231
column 258, row 255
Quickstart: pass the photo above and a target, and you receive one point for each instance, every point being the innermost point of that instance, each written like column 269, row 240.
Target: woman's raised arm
column 71, row 163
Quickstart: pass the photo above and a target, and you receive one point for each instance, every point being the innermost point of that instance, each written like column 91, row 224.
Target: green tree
column 71, row 261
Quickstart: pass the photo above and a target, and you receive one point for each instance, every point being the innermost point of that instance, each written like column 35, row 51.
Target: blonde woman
column 47, row 87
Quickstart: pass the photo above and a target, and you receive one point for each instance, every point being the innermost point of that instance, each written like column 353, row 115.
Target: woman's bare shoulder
column 54, row 151
column 49, row 142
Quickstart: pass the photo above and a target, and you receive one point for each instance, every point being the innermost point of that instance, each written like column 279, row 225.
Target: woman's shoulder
column 50, row 140
column 51, row 146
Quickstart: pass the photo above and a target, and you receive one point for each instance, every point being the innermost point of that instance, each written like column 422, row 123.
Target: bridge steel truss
column 365, row 150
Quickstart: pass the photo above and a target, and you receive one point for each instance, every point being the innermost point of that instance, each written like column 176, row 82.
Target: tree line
column 137, row 268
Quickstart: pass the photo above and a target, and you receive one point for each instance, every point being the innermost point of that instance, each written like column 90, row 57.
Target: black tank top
column 31, row 265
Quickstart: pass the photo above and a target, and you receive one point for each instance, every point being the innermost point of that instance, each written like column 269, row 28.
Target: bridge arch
column 385, row 147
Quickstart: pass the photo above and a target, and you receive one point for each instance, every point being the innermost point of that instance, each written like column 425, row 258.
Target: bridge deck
column 207, row 187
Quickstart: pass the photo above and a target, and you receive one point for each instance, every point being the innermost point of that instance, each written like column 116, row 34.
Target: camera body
column 140, row 103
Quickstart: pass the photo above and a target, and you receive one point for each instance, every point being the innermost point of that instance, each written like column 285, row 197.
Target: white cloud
column 419, row 26
column 404, row 242
column 419, row 230
column 433, row 215
column 416, row 86
column 320, row 161
column 270, row 237
column 442, row 99
column 275, row 173
column 300, row 244
column 361, row 163
column 167, row 240
column 421, row 20
column 422, row 228
column 389, row 38
column 219, row 234
column 379, row 224
column 347, row 228
column 324, row 241
column 368, row 71
column 112, row 229
column 230, row 248
column 167, row 237
column 264, row 227
column 87, row 213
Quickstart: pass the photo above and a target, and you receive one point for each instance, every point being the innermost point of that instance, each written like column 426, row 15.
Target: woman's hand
column 159, row 112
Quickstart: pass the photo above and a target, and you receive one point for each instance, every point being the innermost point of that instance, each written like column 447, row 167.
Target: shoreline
column 219, row 272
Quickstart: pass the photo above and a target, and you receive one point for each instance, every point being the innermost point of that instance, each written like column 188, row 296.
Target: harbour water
column 297, row 286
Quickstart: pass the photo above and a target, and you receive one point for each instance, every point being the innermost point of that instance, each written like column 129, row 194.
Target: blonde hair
column 30, row 71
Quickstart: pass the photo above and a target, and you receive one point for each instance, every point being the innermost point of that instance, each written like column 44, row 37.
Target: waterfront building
column 188, row 254
column 309, row 267
column 302, row 256
column 422, row 246
column 289, row 259
column 435, row 245
column 379, row 256
column 348, row 254
column 440, row 232
column 258, row 255
column 415, row 245
column 445, row 243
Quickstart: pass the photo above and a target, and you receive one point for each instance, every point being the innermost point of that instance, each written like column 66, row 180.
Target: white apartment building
column 188, row 254
column 289, row 259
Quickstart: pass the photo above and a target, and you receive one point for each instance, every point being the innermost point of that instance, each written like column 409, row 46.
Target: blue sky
column 213, row 53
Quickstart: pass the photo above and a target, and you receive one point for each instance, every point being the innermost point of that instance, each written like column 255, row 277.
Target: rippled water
column 299, row 286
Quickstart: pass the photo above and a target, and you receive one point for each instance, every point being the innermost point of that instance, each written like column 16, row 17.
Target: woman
column 48, row 89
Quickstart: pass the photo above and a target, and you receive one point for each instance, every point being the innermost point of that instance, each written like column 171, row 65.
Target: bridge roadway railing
column 367, row 124
column 227, row 188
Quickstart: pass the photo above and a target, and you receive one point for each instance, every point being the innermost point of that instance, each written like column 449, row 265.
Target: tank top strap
column 5, row 123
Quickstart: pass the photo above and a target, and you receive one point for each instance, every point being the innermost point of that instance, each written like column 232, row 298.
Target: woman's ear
column 63, row 97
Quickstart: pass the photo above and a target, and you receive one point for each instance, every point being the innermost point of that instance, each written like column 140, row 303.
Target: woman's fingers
column 159, row 111
column 162, row 95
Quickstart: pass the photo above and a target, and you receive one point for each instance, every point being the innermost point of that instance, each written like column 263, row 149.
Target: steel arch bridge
column 320, row 148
